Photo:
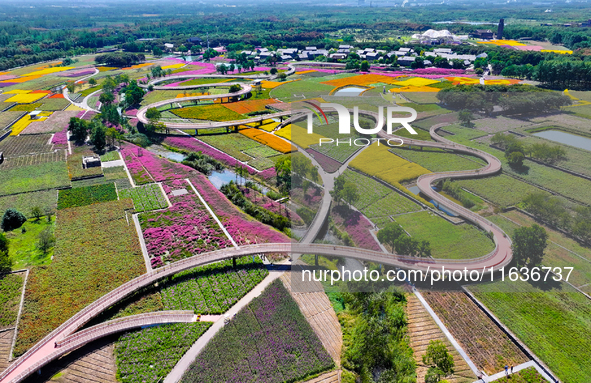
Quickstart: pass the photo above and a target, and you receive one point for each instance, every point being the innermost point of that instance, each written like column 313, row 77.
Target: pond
column 415, row 190
column 565, row 138
column 162, row 151
column 349, row 91
column 225, row 176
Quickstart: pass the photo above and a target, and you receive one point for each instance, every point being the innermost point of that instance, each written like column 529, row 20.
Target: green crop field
column 147, row 197
column 87, row 195
column 447, row 240
column 44, row 176
column 501, row 190
column 46, row 200
column 307, row 87
column 232, row 144
column 10, row 295
column 262, row 151
column 578, row 160
column 438, row 160
column 339, row 153
column 551, row 318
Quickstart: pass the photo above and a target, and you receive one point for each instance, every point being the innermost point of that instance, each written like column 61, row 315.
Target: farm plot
column 338, row 153
column 500, row 124
column 215, row 112
column 34, row 159
column 438, row 160
column 183, row 230
column 326, row 163
column 270, row 140
column 299, row 135
column 88, row 195
column 54, row 104
column 501, row 190
column 448, row 241
column 55, row 123
column 488, row 347
column 22, row 124
column 212, row 289
column 249, row 106
column 232, row 144
column 8, row 117
column 426, row 95
column 11, row 286
column 58, row 291
column 378, row 200
column 147, row 197
column 578, row 160
column 552, row 319
column 30, row 178
column 24, row 202
column 19, row 146
column 259, row 342
column 74, row 161
column 308, row 87
column 148, row 355
column 157, row 95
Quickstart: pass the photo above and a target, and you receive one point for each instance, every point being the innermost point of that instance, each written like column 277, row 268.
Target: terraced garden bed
column 232, row 144
column 30, row 178
column 272, row 323
column 87, row 195
column 145, row 198
column 8, row 117
column 11, row 286
column 55, row 123
column 46, row 200
column 33, row 159
column 13, row 146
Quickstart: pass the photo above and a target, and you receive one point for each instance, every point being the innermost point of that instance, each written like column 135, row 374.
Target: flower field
column 377, row 200
column 299, row 136
column 194, row 145
column 78, row 275
column 232, row 144
column 249, row 106
column 416, row 82
column 145, row 167
column 86, row 195
column 269, row 140
column 215, row 112
column 44, row 176
column 183, row 230
column 148, row 355
column 267, row 125
column 147, row 197
column 273, row 84
column 275, row 207
column 26, row 98
column 10, row 296
column 214, row 288
column 326, row 163
column 55, row 123
column 379, row 162
column 552, row 319
column 22, row 124
column 362, row 79
column 354, row 224
column 269, row 340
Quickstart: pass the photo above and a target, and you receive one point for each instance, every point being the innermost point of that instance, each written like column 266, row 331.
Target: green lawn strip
column 555, row 255
column 113, row 155
column 261, row 163
column 9, row 117
column 447, row 240
column 86, row 195
column 10, row 296
column 551, row 318
column 232, row 144
column 556, row 180
column 339, row 152
column 54, row 104
column 206, row 80
column 159, row 95
column 96, row 251
column 578, row 160
column 308, row 87
column 151, row 353
column 422, row 97
column 43, row 176
column 528, row 375
column 88, row 91
column 438, row 160
column 215, row 112
column 23, row 246
column 146, row 197
column 262, row 151
column 25, row 202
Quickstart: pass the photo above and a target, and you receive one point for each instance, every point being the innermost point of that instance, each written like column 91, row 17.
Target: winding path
column 44, row 351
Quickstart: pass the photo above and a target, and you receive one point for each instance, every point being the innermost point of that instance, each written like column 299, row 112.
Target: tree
column 283, row 170
column 273, row 71
column 466, row 117
column 98, row 136
column 45, row 241
column 529, row 244
column 112, row 134
column 364, row 66
column 153, row 114
column 37, row 212
column 106, row 98
column 282, row 76
column 418, row 63
column 515, row 159
column 5, row 259
column 390, row 233
column 133, row 94
column 92, row 81
column 350, row 193
column 156, row 51
column 235, row 88
column 109, row 85
column 12, row 219
column 71, row 87
column 439, row 359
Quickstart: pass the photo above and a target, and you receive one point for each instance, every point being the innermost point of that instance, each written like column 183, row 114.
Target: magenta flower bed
column 7, row 77
column 193, row 145
column 356, row 225
column 185, row 229
column 7, row 84
column 312, row 199
column 146, row 166
column 131, row 112
column 328, row 164
column 268, row 174
column 61, row 137
column 275, row 207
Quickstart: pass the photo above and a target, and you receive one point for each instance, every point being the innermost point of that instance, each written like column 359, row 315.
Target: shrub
column 12, row 219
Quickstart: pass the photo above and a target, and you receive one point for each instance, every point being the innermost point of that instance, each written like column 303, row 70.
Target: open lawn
column 292, row 91
column 83, row 268
column 44, row 176
column 551, row 318
column 23, row 246
column 448, row 241
column 338, row 153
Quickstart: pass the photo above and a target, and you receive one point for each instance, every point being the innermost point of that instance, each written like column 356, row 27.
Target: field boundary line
column 213, row 215
column 511, row 335
column 448, row 335
column 18, row 317
column 140, row 235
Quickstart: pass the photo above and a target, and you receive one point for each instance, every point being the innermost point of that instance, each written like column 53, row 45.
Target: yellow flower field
column 268, row 125
column 43, row 72
column 362, row 79
column 512, row 43
column 379, row 162
column 26, row 98
column 416, row 81
column 73, row 107
column 18, row 91
column 557, row 51
column 21, row 124
column 105, row 68
column 181, row 95
column 306, row 71
column 415, row 89
column 173, row 66
column 138, row 66
column 469, row 80
column 274, row 84
column 299, row 136
column 270, row 140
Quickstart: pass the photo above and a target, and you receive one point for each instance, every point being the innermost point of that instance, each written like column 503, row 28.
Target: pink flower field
column 275, row 207
column 356, row 225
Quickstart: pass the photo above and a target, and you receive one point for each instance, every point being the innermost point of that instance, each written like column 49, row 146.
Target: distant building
column 485, row 34
column 91, row 162
column 168, row 46
column 194, row 40
column 406, row 61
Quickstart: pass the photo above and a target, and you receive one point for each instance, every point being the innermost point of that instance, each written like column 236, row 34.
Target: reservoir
column 565, row 138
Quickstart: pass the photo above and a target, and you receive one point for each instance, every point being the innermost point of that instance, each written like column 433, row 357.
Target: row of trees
column 393, row 235
column 120, row 59
column 551, row 154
